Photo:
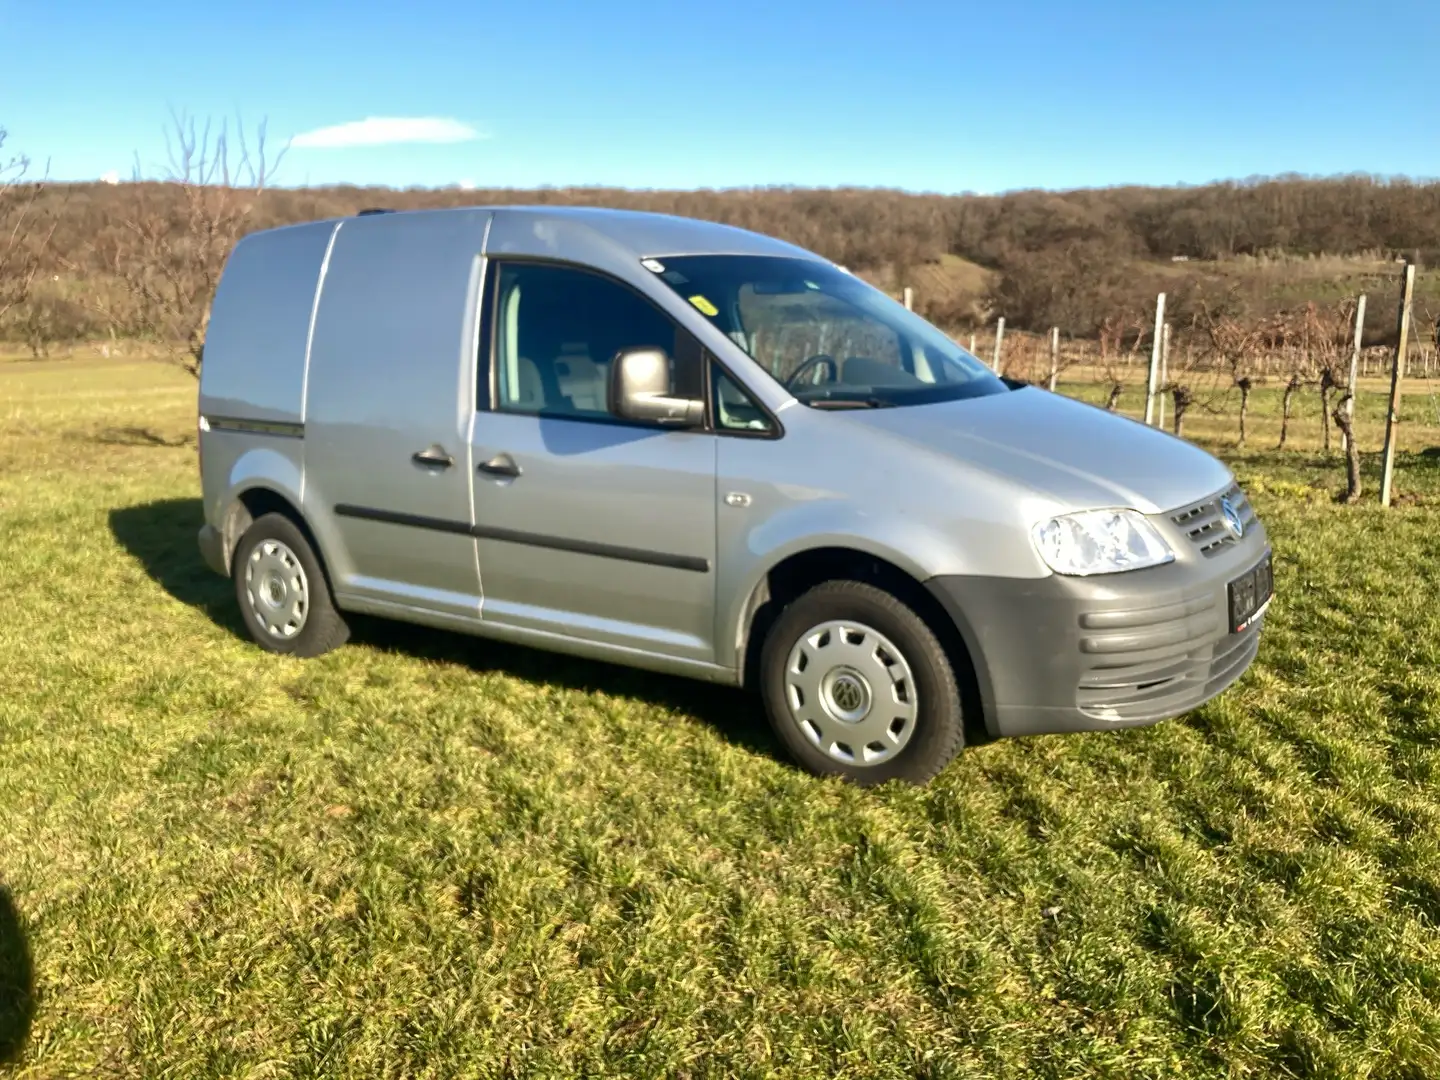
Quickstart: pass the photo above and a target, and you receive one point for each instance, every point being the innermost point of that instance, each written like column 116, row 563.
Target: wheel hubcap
column 851, row 692
column 277, row 589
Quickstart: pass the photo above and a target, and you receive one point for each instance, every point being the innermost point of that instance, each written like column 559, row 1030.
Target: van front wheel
column 283, row 594
column 856, row 685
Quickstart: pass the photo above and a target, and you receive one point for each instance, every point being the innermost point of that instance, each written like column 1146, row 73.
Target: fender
column 911, row 546
column 258, row 469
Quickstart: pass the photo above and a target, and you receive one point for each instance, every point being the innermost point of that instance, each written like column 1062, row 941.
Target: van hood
column 1077, row 454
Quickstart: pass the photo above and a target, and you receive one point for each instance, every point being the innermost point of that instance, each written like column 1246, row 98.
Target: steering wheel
column 832, row 374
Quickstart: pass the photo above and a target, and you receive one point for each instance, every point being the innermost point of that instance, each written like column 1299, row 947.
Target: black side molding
column 279, row 428
column 416, row 521
column 513, row 536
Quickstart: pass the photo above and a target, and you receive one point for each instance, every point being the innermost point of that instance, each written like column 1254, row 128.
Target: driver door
column 590, row 527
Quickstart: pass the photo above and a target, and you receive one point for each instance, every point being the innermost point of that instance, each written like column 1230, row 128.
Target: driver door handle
column 434, row 457
column 500, row 465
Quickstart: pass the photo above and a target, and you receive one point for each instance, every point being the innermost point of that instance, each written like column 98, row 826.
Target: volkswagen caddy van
column 690, row 448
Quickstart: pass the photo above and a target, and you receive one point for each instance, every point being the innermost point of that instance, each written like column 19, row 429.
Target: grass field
column 427, row 855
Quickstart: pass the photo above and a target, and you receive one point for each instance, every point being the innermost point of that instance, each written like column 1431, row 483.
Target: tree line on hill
column 1078, row 260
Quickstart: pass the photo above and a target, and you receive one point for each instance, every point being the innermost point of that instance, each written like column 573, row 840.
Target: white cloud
column 467, row 185
column 387, row 130
column 111, row 177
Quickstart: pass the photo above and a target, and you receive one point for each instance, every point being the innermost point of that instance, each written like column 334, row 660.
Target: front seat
column 581, row 379
column 530, row 396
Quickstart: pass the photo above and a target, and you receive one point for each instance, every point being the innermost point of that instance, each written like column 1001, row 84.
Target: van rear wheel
column 857, row 685
column 283, row 593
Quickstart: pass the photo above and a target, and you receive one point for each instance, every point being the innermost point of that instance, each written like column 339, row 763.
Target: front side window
column 827, row 337
column 558, row 328
column 735, row 410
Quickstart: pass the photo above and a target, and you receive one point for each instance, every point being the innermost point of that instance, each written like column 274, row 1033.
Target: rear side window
column 557, row 329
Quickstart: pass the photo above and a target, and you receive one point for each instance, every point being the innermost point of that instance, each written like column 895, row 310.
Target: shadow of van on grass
column 17, row 982
column 162, row 536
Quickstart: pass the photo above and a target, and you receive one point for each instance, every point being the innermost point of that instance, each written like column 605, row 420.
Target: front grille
column 1204, row 525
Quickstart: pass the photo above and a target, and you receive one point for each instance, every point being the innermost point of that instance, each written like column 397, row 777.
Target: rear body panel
column 252, row 382
column 255, row 367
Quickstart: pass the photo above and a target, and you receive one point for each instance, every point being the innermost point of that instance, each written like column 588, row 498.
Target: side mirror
column 639, row 389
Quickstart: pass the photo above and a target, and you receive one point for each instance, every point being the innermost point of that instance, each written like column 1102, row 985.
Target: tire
column 827, row 674
column 282, row 590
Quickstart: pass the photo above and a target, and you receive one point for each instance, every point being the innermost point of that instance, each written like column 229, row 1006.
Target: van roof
column 643, row 233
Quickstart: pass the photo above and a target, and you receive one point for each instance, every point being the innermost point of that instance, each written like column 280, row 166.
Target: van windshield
column 829, row 338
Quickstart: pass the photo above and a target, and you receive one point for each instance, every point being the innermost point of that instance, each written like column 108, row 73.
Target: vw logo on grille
column 1232, row 518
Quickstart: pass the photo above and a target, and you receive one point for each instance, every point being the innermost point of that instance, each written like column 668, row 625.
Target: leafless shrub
column 1191, row 377
column 1292, row 384
column 45, row 321
column 1234, row 348
column 1244, row 384
column 1116, row 381
column 1352, row 452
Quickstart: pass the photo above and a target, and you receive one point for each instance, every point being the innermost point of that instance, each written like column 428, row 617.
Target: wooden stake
column 1054, row 357
column 1154, row 360
column 1354, row 367
column 1397, row 372
column 909, row 298
column 999, row 337
column 1164, row 370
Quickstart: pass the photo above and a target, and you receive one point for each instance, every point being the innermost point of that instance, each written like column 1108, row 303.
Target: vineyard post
column 1355, row 359
column 972, row 344
column 999, row 338
column 1154, row 359
column 909, row 298
column 1397, row 371
column 1054, row 356
column 1164, row 372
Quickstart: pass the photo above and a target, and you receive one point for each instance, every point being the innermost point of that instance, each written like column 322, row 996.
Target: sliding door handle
column 435, row 457
column 500, row 465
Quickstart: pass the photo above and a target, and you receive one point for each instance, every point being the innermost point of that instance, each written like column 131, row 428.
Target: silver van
column 690, row 448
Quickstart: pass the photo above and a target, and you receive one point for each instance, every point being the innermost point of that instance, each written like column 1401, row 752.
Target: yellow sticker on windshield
column 704, row 305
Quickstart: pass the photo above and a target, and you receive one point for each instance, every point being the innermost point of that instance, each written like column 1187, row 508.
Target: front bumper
column 1061, row 654
column 212, row 547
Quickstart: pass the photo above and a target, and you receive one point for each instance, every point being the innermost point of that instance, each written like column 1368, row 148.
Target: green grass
column 426, row 855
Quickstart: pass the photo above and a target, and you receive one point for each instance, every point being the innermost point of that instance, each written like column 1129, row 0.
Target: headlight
column 1100, row 542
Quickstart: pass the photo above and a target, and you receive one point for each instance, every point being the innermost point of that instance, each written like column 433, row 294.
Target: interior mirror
column 639, row 389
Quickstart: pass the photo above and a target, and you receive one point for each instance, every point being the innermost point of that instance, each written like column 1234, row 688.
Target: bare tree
column 170, row 253
column 22, row 237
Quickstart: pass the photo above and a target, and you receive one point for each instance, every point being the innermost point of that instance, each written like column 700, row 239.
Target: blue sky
column 936, row 96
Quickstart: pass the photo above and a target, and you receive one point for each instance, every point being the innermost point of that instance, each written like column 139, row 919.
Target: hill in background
column 1079, row 260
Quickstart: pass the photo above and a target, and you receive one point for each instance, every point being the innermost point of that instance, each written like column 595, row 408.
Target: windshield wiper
column 849, row 403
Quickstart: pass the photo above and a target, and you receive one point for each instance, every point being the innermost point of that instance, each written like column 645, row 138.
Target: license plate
column 1250, row 595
